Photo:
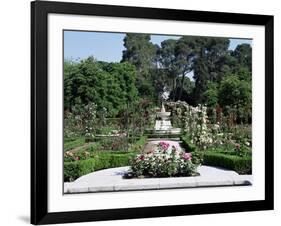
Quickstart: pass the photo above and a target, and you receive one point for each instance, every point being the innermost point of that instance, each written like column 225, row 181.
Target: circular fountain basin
column 163, row 114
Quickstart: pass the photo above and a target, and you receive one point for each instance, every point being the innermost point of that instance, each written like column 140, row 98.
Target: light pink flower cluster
column 164, row 145
column 166, row 160
column 186, row 156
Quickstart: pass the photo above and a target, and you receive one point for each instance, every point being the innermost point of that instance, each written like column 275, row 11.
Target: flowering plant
column 70, row 156
column 166, row 160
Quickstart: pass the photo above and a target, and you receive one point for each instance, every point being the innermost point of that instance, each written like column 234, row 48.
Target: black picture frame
column 39, row 112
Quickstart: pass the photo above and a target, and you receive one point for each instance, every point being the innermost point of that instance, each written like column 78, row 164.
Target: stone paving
column 112, row 180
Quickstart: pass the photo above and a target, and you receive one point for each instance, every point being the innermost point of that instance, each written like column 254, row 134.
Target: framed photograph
column 145, row 112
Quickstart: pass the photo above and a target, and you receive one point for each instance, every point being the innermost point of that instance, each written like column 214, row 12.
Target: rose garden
column 143, row 124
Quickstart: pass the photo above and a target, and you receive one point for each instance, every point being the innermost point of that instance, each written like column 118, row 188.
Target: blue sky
column 108, row 46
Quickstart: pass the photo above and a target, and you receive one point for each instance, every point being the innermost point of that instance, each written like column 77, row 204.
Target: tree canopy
column 109, row 85
column 198, row 70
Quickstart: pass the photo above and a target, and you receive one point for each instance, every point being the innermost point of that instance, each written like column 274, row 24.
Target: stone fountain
column 163, row 123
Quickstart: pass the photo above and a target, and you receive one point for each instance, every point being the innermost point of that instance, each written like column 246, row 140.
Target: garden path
column 163, row 124
column 73, row 150
column 112, row 180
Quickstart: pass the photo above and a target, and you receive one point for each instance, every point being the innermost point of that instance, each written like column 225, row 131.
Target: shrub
column 187, row 145
column 103, row 160
column 166, row 160
column 70, row 144
column 197, row 157
column 139, row 145
column 240, row 164
column 167, row 135
column 71, row 171
column 84, row 162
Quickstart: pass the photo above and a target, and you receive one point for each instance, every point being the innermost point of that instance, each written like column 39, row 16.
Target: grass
column 70, row 144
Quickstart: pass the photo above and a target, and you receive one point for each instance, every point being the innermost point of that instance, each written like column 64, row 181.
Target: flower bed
column 166, row 160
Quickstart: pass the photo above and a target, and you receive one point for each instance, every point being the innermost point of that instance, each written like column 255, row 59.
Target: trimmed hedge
column 104, row 160
column 167, row 135
column 186, row 144
column 242, row 165
column 139, row 145
column 222, row 158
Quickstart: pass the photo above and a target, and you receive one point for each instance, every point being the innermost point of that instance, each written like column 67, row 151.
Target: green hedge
column 186, row 144
column 242, row 165
column 167, row 135
column 139, row 145
column 104, row 160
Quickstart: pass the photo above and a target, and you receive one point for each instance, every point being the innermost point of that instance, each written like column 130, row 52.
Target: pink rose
column 187, row 156
column 164, row 145
column 77, row 158
column 237, row 146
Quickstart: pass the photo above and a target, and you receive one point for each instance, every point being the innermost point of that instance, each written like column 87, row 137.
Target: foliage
column 94, row 157
column 163, row 136
column 72, row 126
column 136, row 117
column 115, row 143
column 165, row 161
column 194, row 122
column 108, row 85
column 139, row 145
column 234, row 92
column 89, row 120
column 201, row 134
column 70, row 144
column 240, row 164
column 209, row 63
column 103, row 160
column 113, row 105
column 141, row 53
column 221, row 76
column 187, row 145
column 243, row 53
column 210, row 96
column 236, row 97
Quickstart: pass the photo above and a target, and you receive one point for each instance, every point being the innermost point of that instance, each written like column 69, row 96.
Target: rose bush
column 209, row 134
column 166, row 160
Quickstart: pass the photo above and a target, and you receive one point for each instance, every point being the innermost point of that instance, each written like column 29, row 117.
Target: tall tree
column 235, row 94
column 209, row 63
column 185, row 54
column 243, row 53
column 168, row 62
column 141, row 52
column 109, row 85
